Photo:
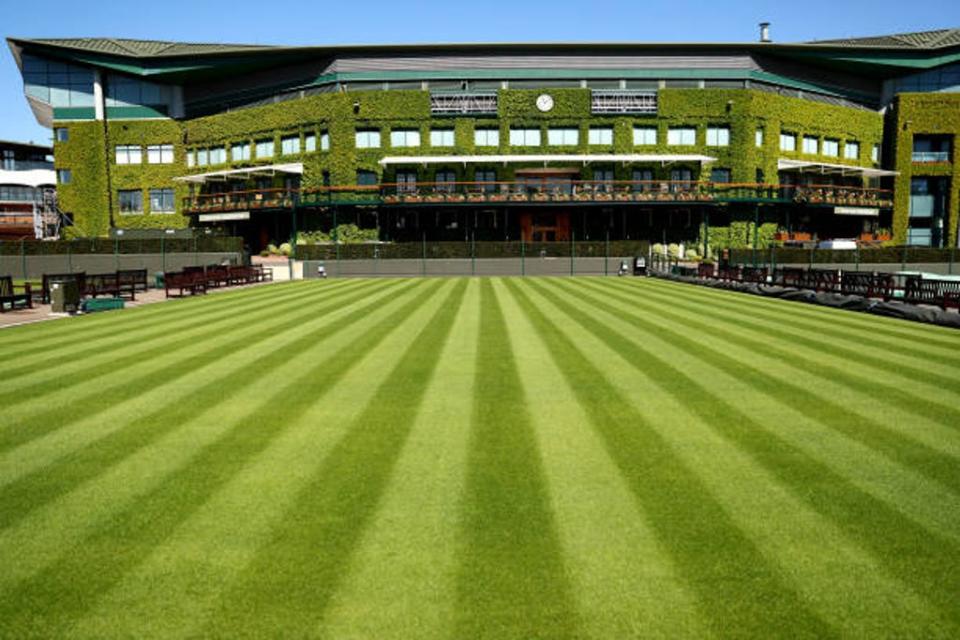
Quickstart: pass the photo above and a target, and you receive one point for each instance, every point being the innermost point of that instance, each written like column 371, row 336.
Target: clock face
column 544, row 102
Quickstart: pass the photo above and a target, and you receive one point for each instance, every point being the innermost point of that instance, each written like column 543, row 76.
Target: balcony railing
column 931, row 156
column 540, row 191
column 463, row 102
column 623, row 101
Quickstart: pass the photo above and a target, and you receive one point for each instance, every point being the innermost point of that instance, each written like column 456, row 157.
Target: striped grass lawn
column 479, row 458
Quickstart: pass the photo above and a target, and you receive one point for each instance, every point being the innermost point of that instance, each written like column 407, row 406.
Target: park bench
column 132, row 280
column 101, row 284
column 789, row 277
column 754, row 274
column 264, row 274
column 729, row 273
column 706, row 270
column 9, row 296
column 827, row 280
column 184, row 281
column 80, row 277
column 867, row 285
column 942, row 293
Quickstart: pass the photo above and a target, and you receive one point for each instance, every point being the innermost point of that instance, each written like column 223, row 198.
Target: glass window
column 129, row 154
column 563, row 137
column 681, row 136
column 875, row 153
column 310, row 142
column 160, row 154
column 366, row 178
column 525, row 137
column 486, row 137
column 130, row 201
column 811, row 145
column 644, row 136
column 367, row 139
column 202, row 157
column 240, row 151
column 61, row 134
column 406, row 181
column 486, row 175
column 191, row 158
column 719, row 175
column 718, row 136
column 324, row 141
column 405, row 138
column 217, row 155
column 444, row 181
column 851, row 150
column 642, row 179
column 758, row 137
column 441, row 137
column 161, row 201
column 601, row 135
column 265, row 148
column 788, row 142
column 290, row 145
column 64, row 176
column 831, row 148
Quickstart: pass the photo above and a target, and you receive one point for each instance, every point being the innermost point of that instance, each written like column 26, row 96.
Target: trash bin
column 639, row 266
column 158, row 281
column 64, row 295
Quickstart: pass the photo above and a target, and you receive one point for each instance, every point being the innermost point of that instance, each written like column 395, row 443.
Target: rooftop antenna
column 764, row 32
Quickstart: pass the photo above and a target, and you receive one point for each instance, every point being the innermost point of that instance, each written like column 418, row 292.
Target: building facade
column 829, row 139
column 27, row 191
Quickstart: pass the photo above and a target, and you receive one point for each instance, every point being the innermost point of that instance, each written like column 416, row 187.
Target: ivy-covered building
column 826, row 139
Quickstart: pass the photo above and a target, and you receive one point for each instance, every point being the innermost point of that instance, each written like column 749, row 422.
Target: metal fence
column 884, row 259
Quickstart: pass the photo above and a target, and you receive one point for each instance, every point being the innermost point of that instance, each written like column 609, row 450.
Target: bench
column 133, row 280
column 789, row 277
column 942, row 293
column 184, row 281
column 9, row 296
column 706, row 270
column 264, row 274
column 827, row 280
column 101, row 284
column 754, row 274
column 867, row 285
column 80, row 277
column 729, row 273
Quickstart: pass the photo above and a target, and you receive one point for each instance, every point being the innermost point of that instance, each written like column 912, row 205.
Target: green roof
column 923, row 40
column 146, row 48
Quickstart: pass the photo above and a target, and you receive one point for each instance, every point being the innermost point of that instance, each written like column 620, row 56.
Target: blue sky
column 378, row 21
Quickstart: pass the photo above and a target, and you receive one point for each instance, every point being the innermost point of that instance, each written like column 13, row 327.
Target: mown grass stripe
column 31, row 491
column 122, row 516
column 78, row 350
column 36, row 381
column 905, row 354
column 89, row 328
column 287, row 587
column 913, row 554
column 739, row 592
column 512, row 582
column 789, row 348
column 622, row 571
column 93, row 397
column 894, row 443
column 925, row 336
column 403, row 577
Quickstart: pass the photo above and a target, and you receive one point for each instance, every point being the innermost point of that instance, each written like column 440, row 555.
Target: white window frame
column 645, row 136
column 682, row 136
column 851, row 150
column 811, row 145
column 309, row 142
column 758, row 137
column 173, row 201
column 159, row 154
column 486, row 137
column 191, row 158
column 718, row 136
column 525, row 137
column 64, row 173
column 600, row 136
column 563, row 136
column 128, row 154
column 324, row 141
column 203, row 157
column 240, row 152
column 264, row 145
column 875, row 153
column 290, row 145
column 218, row 155
column 788, row 141
column 120, row 202
column 404, row 138
column 442, row 137
column 831, row 147
column 367, row 138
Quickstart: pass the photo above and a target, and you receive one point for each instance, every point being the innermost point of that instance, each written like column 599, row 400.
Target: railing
column 931, row 156
column 463, row 102
column 623, row 101
column 532, row 191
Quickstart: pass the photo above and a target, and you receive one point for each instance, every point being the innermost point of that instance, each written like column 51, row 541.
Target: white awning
column 546, row 159
column 29, row 178
column 826, row 168
column 247, row 172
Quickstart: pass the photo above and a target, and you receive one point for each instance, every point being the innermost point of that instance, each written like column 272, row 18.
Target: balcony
column 603, row 101
column 478, row 103
column 931, row 156
column 534, row 192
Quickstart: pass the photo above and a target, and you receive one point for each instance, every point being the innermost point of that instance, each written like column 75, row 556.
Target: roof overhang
column 295, row 168
column 826, row 168
column 29, row 178
column 546, row 159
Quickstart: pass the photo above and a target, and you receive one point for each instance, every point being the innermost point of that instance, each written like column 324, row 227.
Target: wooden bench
column 826, row 280
column 867, row 285
column 184, row 281
column 942, row 293
column 80, row 277
column 264, row 274
column 754, row 274
column 706, row 270
column 133, row 280
column 729, row 273
column 9, row 296
column 101, row 284
column 789, row 277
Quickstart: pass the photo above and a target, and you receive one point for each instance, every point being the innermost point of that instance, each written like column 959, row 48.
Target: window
column 928, row 211
column 441, row 138
column 600, row 135
column 406, row 181
column 160, row 154
column 851, row 150
column 445, row 180
column 811, row 145
column 191, row 158
column 290, row 145
column 161, row 201
column 565, row 137
column 758, row 137
column 931, row 148
column 265, row 148
column 681, row 136
column 64, row 176
column 368, row 139
column 310, row 142
column 217, row 155
column 680, row 180
column 486, row 137
column 486, row 175
column 202, row 157
column 129, row 154
column 875, row 153
column 525, row 137
column 720, row 175
column 61, row 134
column 366, row 178
column 405, row 138
column 718, row 136
column 240, row 152
column 131, row 201
column 9, row 161
column 831, row 148
column 788, row 142
column 642, row 179
column 644, row 136
column 324, row 141
column 603, row 179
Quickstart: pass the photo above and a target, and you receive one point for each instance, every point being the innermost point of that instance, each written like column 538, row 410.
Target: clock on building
column 544, row 102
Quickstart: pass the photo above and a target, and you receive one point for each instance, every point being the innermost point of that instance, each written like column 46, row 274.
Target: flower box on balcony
column 497, row 197
column 476, row 197
column 435, row 197
column 541, row 197
column 455, row 197
column 411, row 198
column 518, row 197
column 391, row 199
column 603, row 197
